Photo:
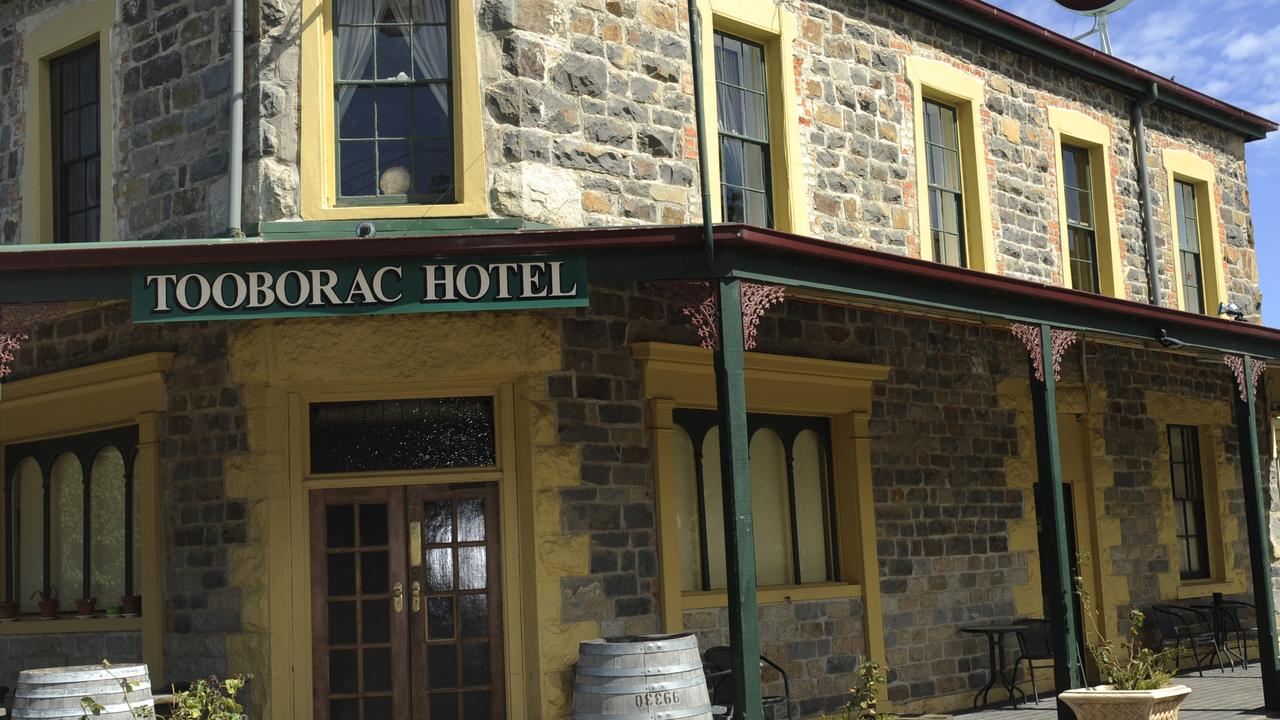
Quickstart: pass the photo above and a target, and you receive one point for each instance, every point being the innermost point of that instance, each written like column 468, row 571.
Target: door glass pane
column 346, row 709
column 471, row 568
column 377, row 670
column 475, row 705
column 373, row 525
column 373, row 573
column 340, row 526
column 475, row 615
column 443, row 706
column 475, row 664
column 342, row 623
column 439, row 565
column 342, row 671
column 442, row 671
column 438, row 524
column 440, row 618
column 342, row 574
column 377, row 620
column 377, row 708
column 470, row 519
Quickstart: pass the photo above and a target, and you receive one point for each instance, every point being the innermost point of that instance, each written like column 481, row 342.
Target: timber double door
column 406, row 603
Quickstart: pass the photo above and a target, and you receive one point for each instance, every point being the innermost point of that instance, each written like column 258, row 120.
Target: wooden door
column 360, row 645
column 455, row 591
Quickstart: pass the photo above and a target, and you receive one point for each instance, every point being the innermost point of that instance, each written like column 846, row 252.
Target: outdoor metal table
column 1217, row 609
column 999, row 668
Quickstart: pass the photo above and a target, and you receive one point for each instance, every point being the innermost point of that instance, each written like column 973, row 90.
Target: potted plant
column 863, row 695
column 85, row 606
column 8, row 610
column 1138, row 681
column 48, row 602
column 131, row 604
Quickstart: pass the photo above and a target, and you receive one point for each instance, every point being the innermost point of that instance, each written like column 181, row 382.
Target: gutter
column 1138, row 121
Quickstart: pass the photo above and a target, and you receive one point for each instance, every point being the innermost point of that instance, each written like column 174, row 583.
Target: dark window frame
column 697, row 423
column 1194, row 544
column 448, row 195
column 67, row 118
column 1078, row 226
column 725, row 138
column 1186, row 212
column 939, row 193
column 85, row 447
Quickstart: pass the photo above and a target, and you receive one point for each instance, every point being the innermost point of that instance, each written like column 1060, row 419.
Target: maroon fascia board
column 1078, row 48
column 592, row 240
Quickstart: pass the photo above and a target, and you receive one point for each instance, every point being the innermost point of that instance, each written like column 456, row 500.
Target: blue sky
column 1229, row 49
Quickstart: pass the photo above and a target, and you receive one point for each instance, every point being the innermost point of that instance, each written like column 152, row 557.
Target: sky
column 1229, row 49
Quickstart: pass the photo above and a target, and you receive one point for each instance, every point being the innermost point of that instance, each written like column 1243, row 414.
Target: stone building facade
column 586, row 120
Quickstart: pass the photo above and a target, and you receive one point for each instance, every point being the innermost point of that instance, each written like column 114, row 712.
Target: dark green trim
column 739, row 540
column 1257, row 524
column 416, row 227
column 1060, row 609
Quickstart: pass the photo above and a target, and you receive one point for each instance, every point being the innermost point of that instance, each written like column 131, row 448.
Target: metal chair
column 1034, row 643
column 1182, row 627
column 718, row 664
column 1233, row 623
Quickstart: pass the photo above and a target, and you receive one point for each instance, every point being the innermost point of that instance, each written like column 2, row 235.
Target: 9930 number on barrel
column 648, row 677
column 655, row 699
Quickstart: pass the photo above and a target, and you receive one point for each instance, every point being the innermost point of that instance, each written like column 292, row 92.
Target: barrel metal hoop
column 64, row 712
column 637, row 672
column 659, row 715
column 632, row 689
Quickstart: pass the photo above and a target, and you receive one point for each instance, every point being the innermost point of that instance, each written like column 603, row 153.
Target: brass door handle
column 397, row 595
column 415, row 591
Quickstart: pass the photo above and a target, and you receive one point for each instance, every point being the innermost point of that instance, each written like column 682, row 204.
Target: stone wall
column 202, row 427
column 23, row 652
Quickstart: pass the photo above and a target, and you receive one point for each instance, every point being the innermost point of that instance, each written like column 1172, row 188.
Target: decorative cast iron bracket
column 17, row 322
column 1256, row 366
column 1059, row 341
column 700, row 304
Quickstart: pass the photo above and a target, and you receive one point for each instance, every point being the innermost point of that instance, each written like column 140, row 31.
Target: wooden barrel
column 648, row 677
column 54, row 693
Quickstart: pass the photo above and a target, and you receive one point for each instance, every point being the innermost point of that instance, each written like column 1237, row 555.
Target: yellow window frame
column 1074, row 128
column 772, row 26
column 936, row 80
column 682, row 376
column 317, row 163
column 65, row 32
column 98, row 397
column 1191, row 168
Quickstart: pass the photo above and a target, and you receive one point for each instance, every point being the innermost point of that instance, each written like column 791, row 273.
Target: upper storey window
column 743, row 104
column 1086, row 204
column 393, row 99
column 1200, row 284
column 77, row 159
column 946, row 193
column 392, row 119
column 951, row 175
column 1082, row 239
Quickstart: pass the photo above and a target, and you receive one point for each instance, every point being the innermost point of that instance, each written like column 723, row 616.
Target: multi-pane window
column 1188, row 222
column 1082, row 243
column 791, row 495
column 70, row 522
column 1188, row 500
column 743, row 110
column 394, row 100
column 76, row 116
column 946, row 196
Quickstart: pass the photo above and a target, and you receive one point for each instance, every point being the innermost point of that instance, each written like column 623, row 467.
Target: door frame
column 290, row 608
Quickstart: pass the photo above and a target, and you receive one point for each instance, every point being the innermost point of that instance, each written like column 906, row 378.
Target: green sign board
column 356, row 288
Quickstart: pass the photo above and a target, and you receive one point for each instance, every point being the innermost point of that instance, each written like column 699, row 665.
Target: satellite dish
column 1099, row 10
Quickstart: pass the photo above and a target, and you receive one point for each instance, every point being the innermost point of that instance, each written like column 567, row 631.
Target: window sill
column 467, row 208
column 1192, row 589
column 774, row 595
column 31, row 625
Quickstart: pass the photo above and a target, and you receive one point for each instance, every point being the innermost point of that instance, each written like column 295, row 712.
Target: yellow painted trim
column 772, row 25
column 110, row 394
column 68, row 30
column 1191, row 168
column 1072, row 127
column 679, row 375
column 1193, row 590
column 68, row 625
column 936, row 80
column 318, row 175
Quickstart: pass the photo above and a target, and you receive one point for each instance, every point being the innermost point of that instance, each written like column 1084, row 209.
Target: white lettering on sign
column 230, row 291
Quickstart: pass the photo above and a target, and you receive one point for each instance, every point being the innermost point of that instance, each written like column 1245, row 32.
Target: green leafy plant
column 863, row 695
column 1128, row 665
column 210, row 699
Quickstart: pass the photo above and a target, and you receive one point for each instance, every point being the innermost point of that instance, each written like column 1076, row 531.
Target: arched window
column 791, row 486
column 69, row 519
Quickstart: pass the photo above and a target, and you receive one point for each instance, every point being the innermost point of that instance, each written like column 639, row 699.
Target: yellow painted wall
column 283, row 364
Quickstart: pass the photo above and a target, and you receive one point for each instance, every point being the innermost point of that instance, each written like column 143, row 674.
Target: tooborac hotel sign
column 356, row 288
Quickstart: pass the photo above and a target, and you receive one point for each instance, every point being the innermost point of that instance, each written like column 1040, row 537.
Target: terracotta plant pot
column 1104, row 703
column 49, row 608
column 131, row 604
column 8, row 610
column 85, row 606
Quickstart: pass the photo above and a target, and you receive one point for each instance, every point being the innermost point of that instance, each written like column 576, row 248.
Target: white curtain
column 355, row 47
column 430, row 47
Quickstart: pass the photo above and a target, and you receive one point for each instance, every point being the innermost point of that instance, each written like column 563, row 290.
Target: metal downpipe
column 236, row 145
column 699, row 120
column 1144, row 185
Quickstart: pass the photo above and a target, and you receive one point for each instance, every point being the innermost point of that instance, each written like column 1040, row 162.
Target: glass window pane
column 391, row 45
column 354, row 53
column 357, row 168
column 757, row 208
column 754, row 167
column 433, row 169
column 687, row 512
column 414, row 434
column 431, row 52
column 67, row 532
column 106, row 488
column 431, row 111
column 395, row 174
column 731, row 161
column 352, row 12
column 810, row 468
column 394, row 112
column 772, row 520
column 713, row 500
column 357, row 113
column 431, row 11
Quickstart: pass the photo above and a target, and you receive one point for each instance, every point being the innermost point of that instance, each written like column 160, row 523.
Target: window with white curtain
column 393, row 91
column 791, row 495
column 70, row 522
